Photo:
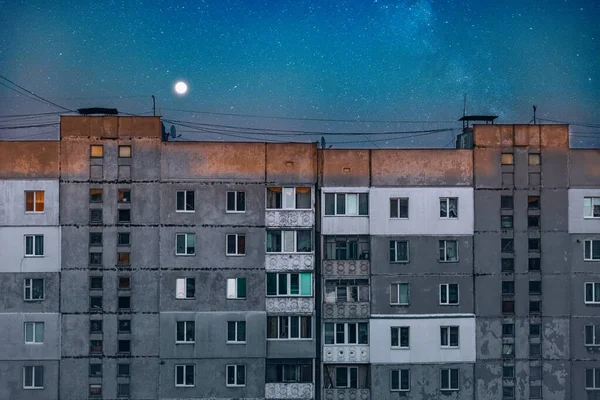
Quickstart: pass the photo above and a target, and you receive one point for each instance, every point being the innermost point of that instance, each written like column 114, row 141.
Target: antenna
column 153, row 105
column 322, row 142
column 464, row 105
column 534, row 119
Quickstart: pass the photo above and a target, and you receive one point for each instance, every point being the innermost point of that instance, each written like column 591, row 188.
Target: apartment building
column 194, row 270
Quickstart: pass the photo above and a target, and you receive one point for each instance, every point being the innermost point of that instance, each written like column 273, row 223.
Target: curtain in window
column 274, row 197
column 352, row 204
column 304, row 239
column 453, row 208
column 305, row 284
column 273, row 241
column 330, row 295
column 451, row 250
column 272, row 327
column 404, row 293
column 289, row 199
column 305, row 327
column 288, row 242
column 303, row 198
column 39, row 201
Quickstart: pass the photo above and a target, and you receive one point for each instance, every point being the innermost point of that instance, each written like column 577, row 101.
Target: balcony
column 347, row 394
column 346, row 310
column 289, row 218
column 289, row 262
column 304, row 391
column 292, row 305
column 346, row 353
column 346, row 267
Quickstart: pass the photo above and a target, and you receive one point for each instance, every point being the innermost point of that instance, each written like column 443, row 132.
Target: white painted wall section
column 577, row 222
column 12, row 250
column 344, row 224
column 12, row 202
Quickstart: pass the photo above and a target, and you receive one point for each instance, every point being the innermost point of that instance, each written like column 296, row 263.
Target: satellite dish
column 322, row 142
column 164, row 135
column 174, row 132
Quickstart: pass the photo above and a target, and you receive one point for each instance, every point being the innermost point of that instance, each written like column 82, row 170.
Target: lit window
column 236, row 331
column 591, row 250
column 289, row 198
column 124, row 196
column 399, row 208
column 449, row 294
column 95, row 390
column 124, row 151
column 236, row 202
column 34, row 245
column 33, row 289
column 185, row 201
column 123, row 258
column 293, row 284
column 34, row 201
column 347, row 204
column 449, row 336
column 185, row 375
column 448, row 251
column 289, row 327
column 186, row 244
column 96, row 195
column 33, row 377
column 400, row 337
column 34, row 332
column 236, row 288
column 534, row 159
column 507, row 159
column 185, row 288
column 533, row 202
column 398, row 251
column 591, row 207
column 236, row 244
column 236, row 375
column 400, row 294
column 400, row 380
column 185, row 332
column 96, row 151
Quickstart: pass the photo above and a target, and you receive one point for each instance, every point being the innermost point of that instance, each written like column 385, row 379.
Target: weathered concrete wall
column 12, row 198
column 584, row 168
column 12, row 380
column 11, row 287
column 109, row 127
column 346, row 168
column 12, row 330
column 577, row 222
column 12, row 251
column 29, row 159
column 291, row 163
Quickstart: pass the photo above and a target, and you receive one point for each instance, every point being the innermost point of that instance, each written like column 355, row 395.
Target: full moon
column 181, row 87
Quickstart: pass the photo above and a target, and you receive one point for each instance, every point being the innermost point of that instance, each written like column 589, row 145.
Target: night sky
column 379, row 60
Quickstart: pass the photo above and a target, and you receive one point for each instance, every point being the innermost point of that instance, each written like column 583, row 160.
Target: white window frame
column 283, row 191
column 398, row 200
column 236, row 206
column 399, row 329
column 232, row 288
column 28, row 285
column 399, row 373
column 592, row 201
column 596, row 383
column 395, row 260
column 396, row 286
column 348, row 377
column 447, row 201
column 347, row 333
column 447, row 302
column 185, row 367
column 185, row 293
column 346, row 213
column 185, row 338
column 289, row 324
column 237, row 244
column 235, row 376
column 34, row 239
column 295, row 250
column 595, row 293
column 446, row 332
column 35, row 192
column 591, row 257
column 33, row 371
column 186, row 235
column 288, row 292
column 595, row 339
column 185, row 195
column 34, row 335
column 446, row 260
column 349, row 289
column 449, row 372
column 236, row 332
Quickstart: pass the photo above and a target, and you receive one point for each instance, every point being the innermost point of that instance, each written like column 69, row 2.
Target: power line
column 31, row 93
column 29, row 126
column 587, row 125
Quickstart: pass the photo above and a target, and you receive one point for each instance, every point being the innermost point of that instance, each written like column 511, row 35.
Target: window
column 95, row 346
column 535, row 350
column 534, row 159
column 508, row 287
column 236, row 332
column 535, row 287
column 236, row 202
column 289, row 198
column 283, row 284
column 34, row 201
column 96, row 370
column 123, row 239
column 400, row 380
column 347, row 333
column 346, row 290
column 289, row 371
column 96, row 151
column 398, row 251
column 33, row 377
column 33, row 289
column 400, row 294
column 449, row 336
column 508, row 264
column 124, row 346
column 185, row 201
column 95, row 303
column 448, row 251
column 236, row 288
column 124, row 151
column 96, row 326
column 236, row 244
column 96, row 283
column 34, row 245
column 186, row 244
column 506, row 202
column 449, row 379
column 535, row 329
column 508, row 306
column 507, row 245
column 591, row 207
column 124, row 196
column 534, row 244
column 96, row 258
column 236, row 375
column 507, row 159
column 533, row 221
column 124, row 326
column 591, row 339
column 508, row 392
column 185, row 375
column 508, row 350
column 533, row 202
column 96, row 216
column 400, row 337
column 34, row 332
column 95, row 238
column 346, row 204
column 185, row 332
column 399, row 208
column 506, row 221
column 122, row 389
column 96, row 195
column 347, row 247
column 508, row 371
column 508, row 330
column 592, row 292
column 289, row 241
column 535, row 392
column 346, row 377
column 592, row 378
column 185, row 288
column 124, row 216
column 123, row 258
column 123, row 370
column 124, row 302
column 534, row 264
column 535, row 306
column 449, row 293
column 448, row 207
column 95, row 390
column 591, row 250
column 289, row 327
column 124, row 282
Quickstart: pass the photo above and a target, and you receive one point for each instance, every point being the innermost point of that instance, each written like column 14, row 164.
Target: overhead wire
column 31, row 93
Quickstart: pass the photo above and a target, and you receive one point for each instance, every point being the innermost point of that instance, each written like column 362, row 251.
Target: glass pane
column 405, row 379
column 305, row 327
column 241, row 244
column 329, row 334
column 329, row 204
column 231, row 201
column 29, row 332
column 352, row 334
column 230, row 331
column 288, row 242
column 403, row 208
column 453, row 294
column 306, row 284
column 39, row 201
column 352, row 204
column 29, row 245
column 395, row 380
column 190, row 287
column 363, row 204
column 363, row 333
column 274, row 197
column 443, row 208
column 273, row 241
column 284, row 329
column 39, row 376
column 241, row 375
column 294, row 284
column 180, row 244
column 271, row 284
column 394, row 293
column 393, row 208
column 180, row 331
column 294, row 327
column 29, row 201
column 241, row 331
column 29, row 376
column 231, row 374
column 39, row 245
column 341, row 377
column 189, row 375
column 453, row 208
column 443, row 294
column 340, row 334
column 394, row 337
column 354, row 377
column 272, row 326
column 404, row 293
column 241, row 288
column 589, row 378
column 180, row 201
column 289, row 198
column 451, row 251
column 341, row 204
column 402, row 248
column 241, row 201
column 39, row 332
column 189, row 201
column 191, row 243
column 282, row 286
column 596, row 250
column 231, row 244
column 303, row 198
column 304, row 241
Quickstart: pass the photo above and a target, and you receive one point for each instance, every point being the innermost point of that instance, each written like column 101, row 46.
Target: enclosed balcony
column 346, row 255
column 346, row 342
column 346, row 298
column 346, row 382
column 289, row 250
column 289, row 379
column 289, row 207
column 289, row 262
column 290, row 293
column 292, row 305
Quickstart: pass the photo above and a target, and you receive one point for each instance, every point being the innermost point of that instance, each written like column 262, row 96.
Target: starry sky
column 398, row 66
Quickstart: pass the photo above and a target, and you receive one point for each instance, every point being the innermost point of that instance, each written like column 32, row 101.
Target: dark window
column 507, row 245
column 124, row 346
column 95, row 303
column 533, row 221
column 124, row 196
column 535, row 287
column 508, row 264
column 95, row 195
column 534, row 245
column 533, row 202
column 535, row 306
column 122, row 369
column 124, row 326
column 96, row 370
column 534, row 264
column 329, row 204
column 123, row 258
column 508, row 306
column 124, row 282
column 535, row 329
column 124, row 215
column 506, row 202
column 95, row 238
column 96, row 283
column 96, row 216
column 96, row 326
column 236, row 201
column 508, row 392
column 123, row 238
column 399, row 208
column 508, row 371
column 95, row 346
column 506, row 222
column 185, row 200
column 95, row 258
column 508, row 329
column 124, row 302
column 535, row 349
column 122, row 389
column 508, row 287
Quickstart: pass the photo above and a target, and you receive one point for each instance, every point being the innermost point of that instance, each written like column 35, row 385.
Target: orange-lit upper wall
column 549, row 136
column 345, row 167
column 584, row 167
column 29, row 159
column 293, row 163
column 109, row 127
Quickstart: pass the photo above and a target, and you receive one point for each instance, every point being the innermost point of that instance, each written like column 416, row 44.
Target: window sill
column 288, row 209
column 400, row 262
column 400, row 304
column 448, row 262
column 583, row 217
column 236, row 298
column 185, row 211
column 44, row 299
column 185, row 255
column 34, row 343
column 228, row 342
column 185, row 342
column 449, row 390
column 400, row 390
column 43, row 212
column 449, row 304
column 32, row 388
column 399, row 348
column 299, row 339
column 235, row 385
column 235, row 255
column 289, row 253
column 33, row 256
column 400, row 218
column 234, row 212
column 449, row 347
column 185, row 298
column 185, row 386
column 348, row 215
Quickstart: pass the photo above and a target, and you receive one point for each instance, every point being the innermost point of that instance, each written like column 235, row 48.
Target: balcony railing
column 289, row 218
column 347, row 394
column 347, row 310
column 302, row 305
column 350, row 353
column 289, row 262
column 346, row 267
column 304, row 391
